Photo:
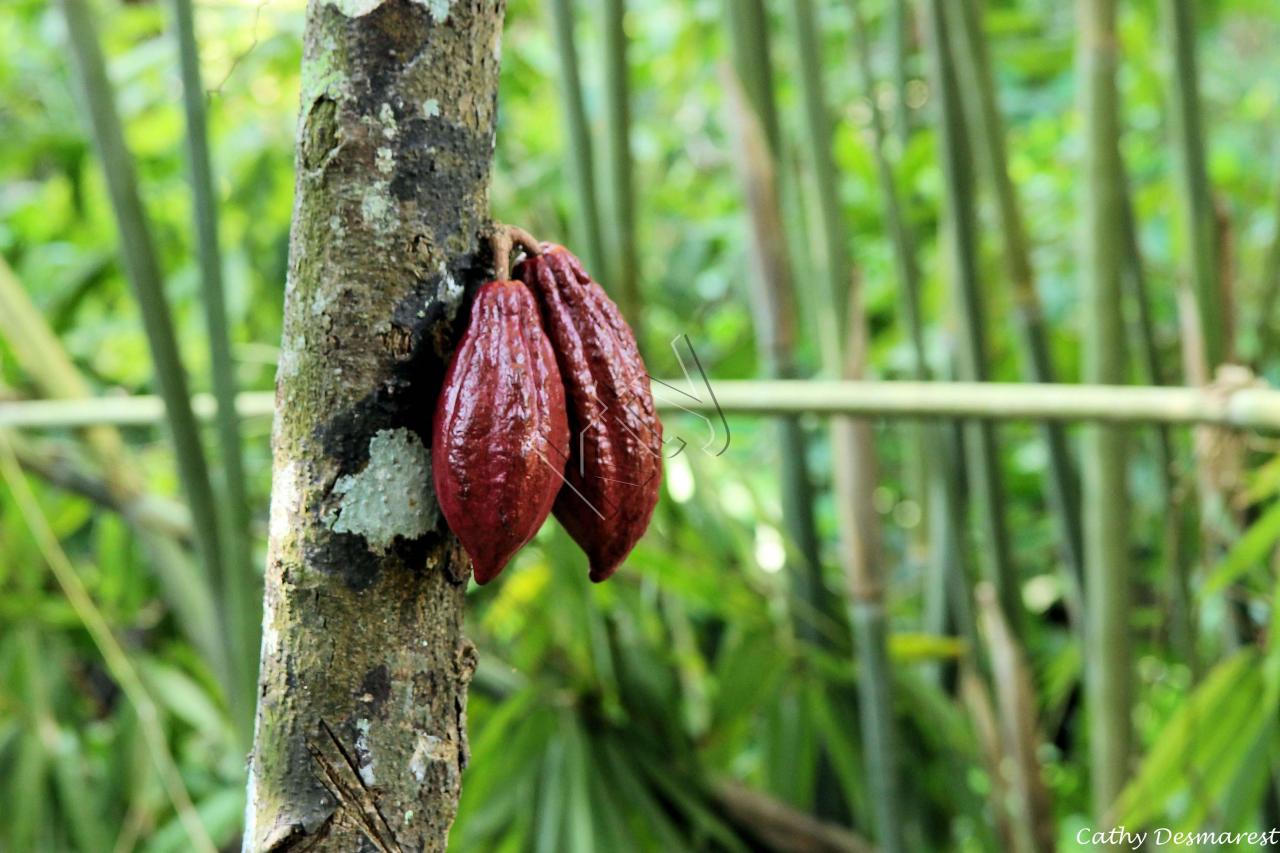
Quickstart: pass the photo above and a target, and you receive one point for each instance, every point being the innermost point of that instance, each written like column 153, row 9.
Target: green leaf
column 220, row 812
column 1201, row 743
column 77, row 798
column 578, row 770
column 1249, row 551
column 179, row 694
column 907, row 647
column 551, row 796
column 839, row 736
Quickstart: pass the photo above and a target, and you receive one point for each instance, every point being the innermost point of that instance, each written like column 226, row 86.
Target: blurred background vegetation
column 713, row 695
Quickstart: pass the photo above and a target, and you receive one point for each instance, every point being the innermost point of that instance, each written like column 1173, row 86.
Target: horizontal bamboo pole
column 1248, row 408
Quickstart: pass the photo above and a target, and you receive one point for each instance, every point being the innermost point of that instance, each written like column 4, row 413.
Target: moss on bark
column 361, row 727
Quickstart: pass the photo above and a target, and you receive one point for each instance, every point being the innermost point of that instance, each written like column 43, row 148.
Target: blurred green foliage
column 607, row 717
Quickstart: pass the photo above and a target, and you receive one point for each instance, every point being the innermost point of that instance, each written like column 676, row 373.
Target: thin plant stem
column 749, row 44
column 113, row 654
column 1209, row 344
column 900, row 35
column 829, row 226
column 64, row 470
column 901, row 236
column 43, row 358
column 241, row 589
column 773, row 301
column 87, row 831
column 856, row 477
column 624, row 269
column 143, row 271
column 981, row 453
column 586, row 220
column 47, row 363
column 1243, row 408
column 988, row 135
column 1108, row 667
column 945, row 526
column 1027, row 799
column 1270, row 285
column 1195, row 206
column 853, row 449
column 1178, row 553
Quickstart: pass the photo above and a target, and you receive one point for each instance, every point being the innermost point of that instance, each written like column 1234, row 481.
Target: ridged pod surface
column 615, row 456
column 500, row 436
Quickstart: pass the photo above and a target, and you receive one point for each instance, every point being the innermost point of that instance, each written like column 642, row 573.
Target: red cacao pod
column 615, row 455
column 500, row 437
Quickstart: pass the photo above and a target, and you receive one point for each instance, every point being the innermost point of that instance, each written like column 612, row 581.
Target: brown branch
column 781, row 827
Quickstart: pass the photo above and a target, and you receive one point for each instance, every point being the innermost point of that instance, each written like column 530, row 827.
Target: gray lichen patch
column 392, row 496
column 355, row 8
column 363, row 756
column 292, row 348
column 438, row 9
column 386, row 160
column 377, row 207
column 429, row 749
column 449, row 293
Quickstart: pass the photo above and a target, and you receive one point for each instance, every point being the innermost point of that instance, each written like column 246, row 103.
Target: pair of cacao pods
column 546, row 408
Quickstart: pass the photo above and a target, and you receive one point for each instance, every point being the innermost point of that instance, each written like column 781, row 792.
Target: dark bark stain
column 434, row 162
column 375, row 689
column 347, row 557
column 393, row 30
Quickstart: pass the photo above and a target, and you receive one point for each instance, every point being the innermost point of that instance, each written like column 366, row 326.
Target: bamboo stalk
column 1195, row 207
column 143, row 272
column 945, row 531
column 1208, row 343
column 856, row 476
column 900, row 32
column 241, row 589
column 1027, row 802
column 774, row 315
column 853, row 448
column 1108, row 664
column 917, row 462
column 988, row 135
column 901, row 236
column 1270, row 286
column 773, row 304
column 624, row 272
column 1178, row 553
column 829, row 227
column 981, row 454
column 1245, row 408
column 580, row 158
column 752, row 60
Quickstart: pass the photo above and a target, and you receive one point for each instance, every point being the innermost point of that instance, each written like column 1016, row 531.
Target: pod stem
column 502, row 240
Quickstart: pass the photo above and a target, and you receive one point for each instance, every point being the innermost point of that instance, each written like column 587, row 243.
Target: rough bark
column 361, row 725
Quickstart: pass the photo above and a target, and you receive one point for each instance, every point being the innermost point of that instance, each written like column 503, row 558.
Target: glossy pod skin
column 615, row 456
column 500, row 436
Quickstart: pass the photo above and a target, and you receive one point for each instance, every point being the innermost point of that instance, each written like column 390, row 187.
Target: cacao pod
column 615, row 454
column 499, row 437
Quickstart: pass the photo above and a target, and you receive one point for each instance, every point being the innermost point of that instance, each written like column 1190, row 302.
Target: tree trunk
column 361, row 726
